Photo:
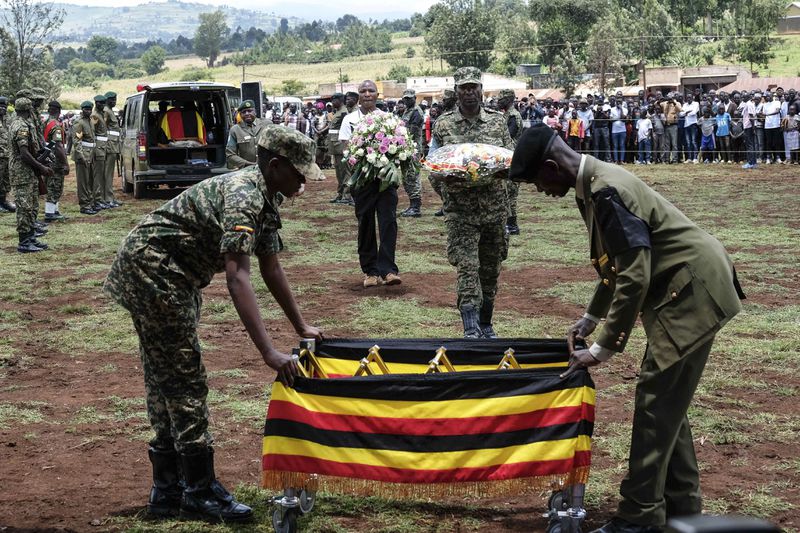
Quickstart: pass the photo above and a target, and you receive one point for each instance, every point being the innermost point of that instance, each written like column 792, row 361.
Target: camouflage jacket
column 514, row 122
column 183, row 243
column 22, row 133
column 486, row 201
column 4, row 146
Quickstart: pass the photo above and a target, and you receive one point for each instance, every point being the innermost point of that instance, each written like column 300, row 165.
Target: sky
column 305, row 9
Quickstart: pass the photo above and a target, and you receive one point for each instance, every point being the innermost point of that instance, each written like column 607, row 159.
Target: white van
column 284, row 102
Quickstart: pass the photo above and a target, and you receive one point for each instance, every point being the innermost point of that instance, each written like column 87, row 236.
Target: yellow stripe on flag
column 344, row 367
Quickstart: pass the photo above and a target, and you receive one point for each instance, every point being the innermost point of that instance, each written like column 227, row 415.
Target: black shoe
column 99, row 206
column 39, row 243
column 116, row 203
column 6, row 206
column 511, row 226
column 411, row 212
column 26, row 246
column 39, row 225
column 347, row 200
column 469, row 316
column 167, row 490
column 485, row 320
column 337, row 200
column 39, row 232
column 439, row 213
column 54, row 217
column 204, row 497
column 88, row 211
column 619, row 525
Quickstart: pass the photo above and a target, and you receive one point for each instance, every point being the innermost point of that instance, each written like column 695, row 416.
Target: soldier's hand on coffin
column 579, row 331
column 285, row 365
column 309, row 332
column 579, row 359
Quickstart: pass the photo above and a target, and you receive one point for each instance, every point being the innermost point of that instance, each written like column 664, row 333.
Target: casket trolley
column 430, row 419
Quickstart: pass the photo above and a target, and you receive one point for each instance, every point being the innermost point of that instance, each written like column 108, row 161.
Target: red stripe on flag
column 279, row 409
column 311, row 465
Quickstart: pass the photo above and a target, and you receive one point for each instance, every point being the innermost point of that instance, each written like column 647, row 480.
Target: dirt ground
column 69, row 480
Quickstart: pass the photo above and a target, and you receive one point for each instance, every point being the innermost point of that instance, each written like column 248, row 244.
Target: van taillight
column 141, row 146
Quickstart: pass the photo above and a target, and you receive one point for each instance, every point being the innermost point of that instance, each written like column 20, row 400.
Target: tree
column 343, row 22
column 209, row 36
column 751, row 25
column 463, row 31
column 153, row 60
column 603, row 48
column 103, row 49
column 292, row 88
column 284, row 27
column 561, row 20
column 28, row 26
column 566, row 70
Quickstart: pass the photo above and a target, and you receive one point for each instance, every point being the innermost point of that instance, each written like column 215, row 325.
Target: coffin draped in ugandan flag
column 477, row 432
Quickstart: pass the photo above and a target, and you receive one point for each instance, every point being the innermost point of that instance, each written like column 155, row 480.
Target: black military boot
column 37, row 242
column 511, row 226
column 485, row 320
column 27, row 245
column 439, row 213
column 469, row 316
column 414, row 210
column 165, row 495
column 204, row 498
column 5, row 205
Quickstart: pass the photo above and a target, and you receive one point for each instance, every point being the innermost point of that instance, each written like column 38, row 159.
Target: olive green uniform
column 414, row 118
column 101, row 148
column 475, row 213
column 5, row 182
column 113, row 146
column 242, row 149
column 655, row 263
column 23, row 179
column 336, row 148
column 514, row 121
column 83, row 148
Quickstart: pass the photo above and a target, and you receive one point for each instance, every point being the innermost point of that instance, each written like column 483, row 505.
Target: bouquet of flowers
column 473, row 162
column 380, row 148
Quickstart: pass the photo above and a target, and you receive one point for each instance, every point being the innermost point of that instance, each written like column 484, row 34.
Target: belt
column 101, row 138
column 87, row 145
column 114, row 133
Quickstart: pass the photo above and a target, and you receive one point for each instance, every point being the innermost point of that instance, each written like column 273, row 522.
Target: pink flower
column 383, row 148
column 380, row 135
column 352, row 161
column 370, row 150
column 400, row 140
column 369, row 120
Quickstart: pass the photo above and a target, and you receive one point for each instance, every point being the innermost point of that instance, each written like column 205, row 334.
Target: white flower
column 392, row 149
column 403, row 156
column 346, row 153
column 371, row 158
column 384, row 160
column 360, row 152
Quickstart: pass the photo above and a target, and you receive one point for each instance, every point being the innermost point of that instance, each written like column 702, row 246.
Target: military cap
column 247, row 104
column 24, row 93
column 299, row 149
column 448, row 93
column 100, row 98
column 409, row 93
column 54, row 103
column 351, row 93
column 529, row 153
column 111, row 94
column 22, row 104
column 506, row 93
column 337, row 96
column 37, row 93
column 466, row 75
column 3, row 100
column 86, row 103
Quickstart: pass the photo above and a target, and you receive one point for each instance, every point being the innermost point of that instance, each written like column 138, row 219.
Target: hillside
column 155, row 20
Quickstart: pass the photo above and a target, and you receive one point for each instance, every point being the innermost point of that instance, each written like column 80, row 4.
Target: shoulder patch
column 246, row 229
column 621, row 229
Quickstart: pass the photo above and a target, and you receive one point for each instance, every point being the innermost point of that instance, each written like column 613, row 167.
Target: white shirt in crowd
column 617, row 114
column 690, row 112
column 645, row 127
column 350, row 120
column 587, row 117
column 772, row 121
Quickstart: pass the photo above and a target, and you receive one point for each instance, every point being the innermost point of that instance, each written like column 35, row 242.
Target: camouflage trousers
column 476, row 250
column 55, row 187
column 26, row 196
column 342, row 170
column 107, row 187
column 512, row 190
column 5, row 181
column 174, row 374
column 436, row 184
column 412, row 184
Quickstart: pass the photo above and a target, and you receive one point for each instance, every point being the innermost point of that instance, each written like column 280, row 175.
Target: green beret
column 22, row 104
column 100, row 98
column 86, row 103
column 111, row 94
column 247, row 104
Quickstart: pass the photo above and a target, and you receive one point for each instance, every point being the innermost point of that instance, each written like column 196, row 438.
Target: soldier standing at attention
column 112, row 150
column 242, row 150
column 414, row 118
column 336, row 148
column 83, row 146
column 158, row 274
column 5, row 183
column 23, row 168
column 448, row 103
column 54, row 133
column 476, row 214
column 655, row 263
column 100, row 129
column 505, row 102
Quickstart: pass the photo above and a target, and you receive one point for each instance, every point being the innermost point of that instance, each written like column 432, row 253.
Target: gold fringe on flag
column 279, row 480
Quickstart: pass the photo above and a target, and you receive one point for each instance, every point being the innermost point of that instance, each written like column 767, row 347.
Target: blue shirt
column 723, row 125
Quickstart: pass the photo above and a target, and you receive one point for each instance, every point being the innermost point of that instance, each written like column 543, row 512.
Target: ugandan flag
column 179, row 124
column 341, row 357
column 476, row 433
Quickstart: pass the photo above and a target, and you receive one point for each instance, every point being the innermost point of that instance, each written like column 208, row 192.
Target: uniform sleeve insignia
column 246, row 229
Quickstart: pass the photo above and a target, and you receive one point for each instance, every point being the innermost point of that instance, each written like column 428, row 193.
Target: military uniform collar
column 583, row 182
column 460, row 118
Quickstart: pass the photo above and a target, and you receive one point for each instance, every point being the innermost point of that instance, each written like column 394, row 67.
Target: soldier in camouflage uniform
column 112, row 150
column 336, row 147
column 242, row 150
column 448, row 103
column 414, row 118
column 505, row 103
column 477, row 242
column 23, row 168
column 83, row 145
column 158, row 274
column 5, row 183
column 54, row 133
column 98, row 120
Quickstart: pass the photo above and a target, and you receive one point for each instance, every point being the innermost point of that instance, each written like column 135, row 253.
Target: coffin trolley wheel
column 557, row 502
column 554, row 526
column 307, row 499
column 284, row 520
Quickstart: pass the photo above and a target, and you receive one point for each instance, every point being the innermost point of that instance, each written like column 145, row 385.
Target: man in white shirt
column 689, row 112
column 758, row 126
column 748, row 109
column 771, row 110
column 617, row 115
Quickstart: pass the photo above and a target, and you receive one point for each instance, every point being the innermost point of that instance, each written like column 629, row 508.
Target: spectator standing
column 690, row 111
column 575, row 132
column 773, row 138
column 659, row 129
column 551, row 120
column 758, row 126
column 617, row 115
column 587, row 117
column 644, row 132
column 791, row 129
column 707, row 124
column 602, row 142
column 748, row 110
column 723, row 134
column 671, row 109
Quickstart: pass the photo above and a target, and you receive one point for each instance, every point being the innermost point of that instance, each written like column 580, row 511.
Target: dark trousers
column 773, row 139
column 750, row 143
column 375, row 260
